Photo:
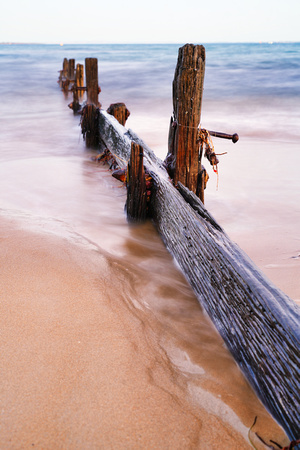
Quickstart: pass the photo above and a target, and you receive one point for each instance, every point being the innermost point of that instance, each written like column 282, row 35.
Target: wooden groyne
column 258, row 322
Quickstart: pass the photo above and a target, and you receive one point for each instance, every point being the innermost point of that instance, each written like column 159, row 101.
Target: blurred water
column 252, row 89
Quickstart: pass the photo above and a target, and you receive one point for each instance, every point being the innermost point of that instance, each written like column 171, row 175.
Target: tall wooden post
column 91, row 76
column 89, row 121
column 136, row 205
column 187, row 100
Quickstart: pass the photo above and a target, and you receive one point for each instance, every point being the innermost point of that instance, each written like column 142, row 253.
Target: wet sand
column 82, row 366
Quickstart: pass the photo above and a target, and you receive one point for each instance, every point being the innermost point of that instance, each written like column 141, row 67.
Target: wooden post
column 63, row 72
column 136, row 205
column 187, row 100
column 91, row 76
column 77, row 89
column 119, row 111
column 90, row 126
column 64, row 78
column 65, row 67
column 202, row 180
column 71, row 71
column 79, row 79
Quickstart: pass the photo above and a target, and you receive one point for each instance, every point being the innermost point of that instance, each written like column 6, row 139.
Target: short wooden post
column 136, row 205
column 119, row 111
column 71, row 69
column 77, row 89
column 91, row 76
column 187, row 100
column 90, row 126
column 62, row 73
column 64, row 79
column 75, row 105
column 79, row 79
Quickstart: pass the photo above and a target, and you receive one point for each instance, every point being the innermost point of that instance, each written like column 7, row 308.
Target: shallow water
column 49, row 181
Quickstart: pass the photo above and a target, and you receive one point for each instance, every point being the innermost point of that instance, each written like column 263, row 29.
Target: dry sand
column 80, row 368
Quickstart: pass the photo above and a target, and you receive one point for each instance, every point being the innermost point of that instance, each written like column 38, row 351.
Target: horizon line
column 144, row 43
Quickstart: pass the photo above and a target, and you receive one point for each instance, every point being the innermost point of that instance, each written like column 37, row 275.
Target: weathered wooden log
column 136, row 205
column 258, row 322
column 91, row 76
column 187, row 99
column 119, row 111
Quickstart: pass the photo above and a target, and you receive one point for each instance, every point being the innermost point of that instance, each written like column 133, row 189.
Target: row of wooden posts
column 258, row 322
column 73, row 79
column 187, row 142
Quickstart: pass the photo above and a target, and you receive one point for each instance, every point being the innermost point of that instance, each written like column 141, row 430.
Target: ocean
column 49, row 181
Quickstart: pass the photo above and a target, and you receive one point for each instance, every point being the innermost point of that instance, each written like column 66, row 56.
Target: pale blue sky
column 158, row 21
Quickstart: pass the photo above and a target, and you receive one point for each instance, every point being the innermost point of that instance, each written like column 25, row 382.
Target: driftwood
column 258, row 322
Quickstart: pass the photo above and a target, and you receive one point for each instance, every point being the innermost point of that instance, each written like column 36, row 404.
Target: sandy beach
column 83, row 367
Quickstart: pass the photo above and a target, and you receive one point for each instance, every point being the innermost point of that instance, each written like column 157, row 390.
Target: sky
column 154, row 21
